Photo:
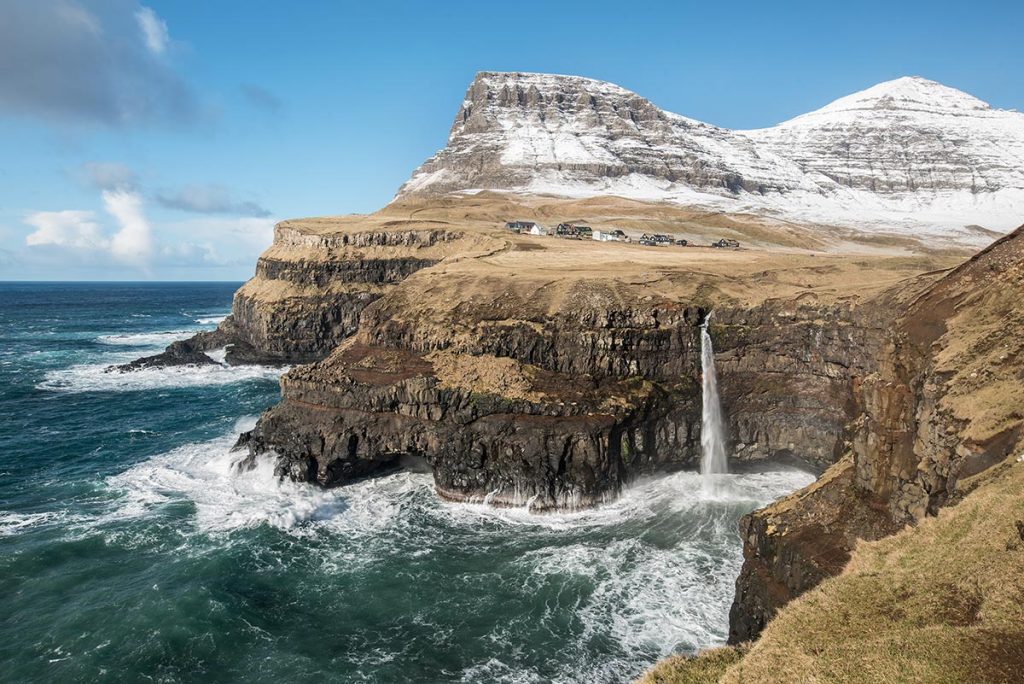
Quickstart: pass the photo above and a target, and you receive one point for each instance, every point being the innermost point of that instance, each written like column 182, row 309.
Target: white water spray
column 712, row 428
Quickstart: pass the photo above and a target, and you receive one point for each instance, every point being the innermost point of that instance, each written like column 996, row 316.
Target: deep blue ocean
column 130, row 550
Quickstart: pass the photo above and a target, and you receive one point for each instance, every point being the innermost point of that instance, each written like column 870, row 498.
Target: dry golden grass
column 484, row 373
column 707, row 667
column 779, row 259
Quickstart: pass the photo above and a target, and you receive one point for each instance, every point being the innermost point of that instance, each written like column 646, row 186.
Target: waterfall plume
column 712, row 428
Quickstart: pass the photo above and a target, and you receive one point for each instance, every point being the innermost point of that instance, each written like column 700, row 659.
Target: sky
column 162, row 141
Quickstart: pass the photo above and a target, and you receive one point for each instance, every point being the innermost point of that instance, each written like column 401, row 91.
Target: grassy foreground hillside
column 942, row 601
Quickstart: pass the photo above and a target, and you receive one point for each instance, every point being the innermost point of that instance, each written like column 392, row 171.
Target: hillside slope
column 940, row 433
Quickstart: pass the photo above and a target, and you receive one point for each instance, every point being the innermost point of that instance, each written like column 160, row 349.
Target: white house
column 609, row 235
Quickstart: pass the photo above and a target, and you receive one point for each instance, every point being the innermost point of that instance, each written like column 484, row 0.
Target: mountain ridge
column 907, row 154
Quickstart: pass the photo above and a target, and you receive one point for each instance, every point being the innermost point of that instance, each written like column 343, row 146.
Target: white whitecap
column 12, row 523
column 145, row 339
column 218, row 355
column 225, row 499
column 97, row 377
column 210, row 320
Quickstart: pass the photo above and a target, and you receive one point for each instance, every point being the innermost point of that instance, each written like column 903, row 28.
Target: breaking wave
column 147, row 339
column 99, row 377
column 225, row 498
column 652, row 573
column 12, row 523
column 211, row 319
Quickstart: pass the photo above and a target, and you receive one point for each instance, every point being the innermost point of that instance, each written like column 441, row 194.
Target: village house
column 531, row 227
column 726, row 243
column 655, row 240
column 609, row 236
column 573, row 231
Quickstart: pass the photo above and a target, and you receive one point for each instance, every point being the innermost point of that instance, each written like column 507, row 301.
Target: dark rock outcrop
column 589, row 396
column 365, row 407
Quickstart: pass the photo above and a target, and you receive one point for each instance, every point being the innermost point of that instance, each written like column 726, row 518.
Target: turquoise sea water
column 131, row 551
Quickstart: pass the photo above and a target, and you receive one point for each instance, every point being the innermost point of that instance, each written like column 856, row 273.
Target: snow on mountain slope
column 909, row 154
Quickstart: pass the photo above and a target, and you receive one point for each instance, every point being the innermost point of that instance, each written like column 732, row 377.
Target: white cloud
column 154, row 30
column 75, row 229
column 235, row 240
column 133, row 243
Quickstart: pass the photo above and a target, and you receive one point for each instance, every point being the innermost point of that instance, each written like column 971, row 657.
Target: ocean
column 131, row 550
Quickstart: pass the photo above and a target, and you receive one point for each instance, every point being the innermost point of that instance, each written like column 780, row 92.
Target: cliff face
column 942, row 405
column 310, row 287
column 552, row 371
column 312, row 284
column 562, row 409
column 791, row 369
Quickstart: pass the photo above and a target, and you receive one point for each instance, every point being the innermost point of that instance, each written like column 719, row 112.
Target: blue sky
column 162, row 140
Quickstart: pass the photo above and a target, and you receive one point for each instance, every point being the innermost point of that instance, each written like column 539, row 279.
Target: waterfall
column 712, row 427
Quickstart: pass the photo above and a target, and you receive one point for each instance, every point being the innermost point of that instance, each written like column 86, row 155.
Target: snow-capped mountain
column 905, row 153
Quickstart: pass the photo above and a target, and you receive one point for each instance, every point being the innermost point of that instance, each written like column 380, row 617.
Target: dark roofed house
column 726, row 243
column 520, row 226
column 571, row 230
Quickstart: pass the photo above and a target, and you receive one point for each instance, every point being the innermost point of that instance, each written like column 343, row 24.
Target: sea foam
column 225, row 497
column 211, row 319
column 145, row 339
column 652, row 572
column 99, row 377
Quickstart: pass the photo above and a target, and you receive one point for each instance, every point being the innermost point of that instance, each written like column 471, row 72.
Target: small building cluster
column 656, row 240
column 575, row 231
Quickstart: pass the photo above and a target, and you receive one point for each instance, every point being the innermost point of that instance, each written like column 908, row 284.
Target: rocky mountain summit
column 909, row 153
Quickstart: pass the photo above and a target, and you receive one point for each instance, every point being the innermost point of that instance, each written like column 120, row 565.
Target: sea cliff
column 548, row 373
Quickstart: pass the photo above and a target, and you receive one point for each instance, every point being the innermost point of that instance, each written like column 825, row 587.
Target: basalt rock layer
column 311, row 286
column 552, row 371
column 547, row 440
